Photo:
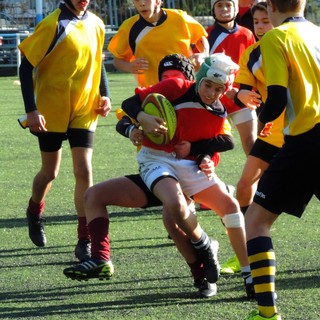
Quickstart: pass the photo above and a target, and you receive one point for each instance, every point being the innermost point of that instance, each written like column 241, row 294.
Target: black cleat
column 90, row 269
column 36, row 229
column 210, row 261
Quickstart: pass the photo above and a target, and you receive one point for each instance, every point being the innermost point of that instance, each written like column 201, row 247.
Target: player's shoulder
column 175, row 12
column 127, row 23
column 180, row 15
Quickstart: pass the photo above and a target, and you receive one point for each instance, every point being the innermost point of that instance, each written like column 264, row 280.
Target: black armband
column 238, row 102
column 123, row 126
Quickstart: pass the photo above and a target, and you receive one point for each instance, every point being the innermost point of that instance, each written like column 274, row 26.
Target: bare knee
column 91, row 196
column 47, row 175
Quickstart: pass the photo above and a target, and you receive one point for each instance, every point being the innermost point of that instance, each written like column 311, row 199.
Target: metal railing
column 10, row 56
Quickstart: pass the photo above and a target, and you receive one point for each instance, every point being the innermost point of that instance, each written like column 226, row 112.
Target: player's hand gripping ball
column 158, row 105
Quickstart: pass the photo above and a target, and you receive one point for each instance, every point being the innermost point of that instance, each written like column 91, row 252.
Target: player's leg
column 245, row 120
column 293, row 170
column 81, row 144
column 248, row 134
column 191, row 256
column 257, row 162
column 128, row 191
column 246, row 188
column 82, row 170
column 50, row 147
column 258, row 223
column 247, row 185
column 168, row 190
column 219, row 200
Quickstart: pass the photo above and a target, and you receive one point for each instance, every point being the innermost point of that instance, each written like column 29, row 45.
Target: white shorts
column 156, row 164
column 242, row 115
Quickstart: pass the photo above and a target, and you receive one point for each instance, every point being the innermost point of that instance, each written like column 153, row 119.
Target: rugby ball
column 158, row 105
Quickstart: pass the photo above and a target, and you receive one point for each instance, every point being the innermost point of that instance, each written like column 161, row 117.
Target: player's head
column 224, row 11
column 150, row 10
column 77, row 7
column 285, row 6
column 218, row 68
column 173, row 64
column 261, row 21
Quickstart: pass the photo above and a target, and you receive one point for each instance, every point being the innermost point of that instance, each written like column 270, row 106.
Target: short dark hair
column 261, row 5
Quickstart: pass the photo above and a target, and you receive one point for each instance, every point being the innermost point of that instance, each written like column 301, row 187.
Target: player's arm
column 202, row 51
column 150, row 124
column 105, row 101
column 138, row 65
column 132, row 106
column 36, row 121
column 125, row 126
column 104, row 85
column 128, row 129
column 204, row 148
column 274, row 105
column 220, row 143
column 26, row 80
column 246, row 97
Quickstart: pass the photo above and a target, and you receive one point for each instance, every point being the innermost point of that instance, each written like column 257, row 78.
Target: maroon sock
column 100, row 244
column 83, row 232
column 35, row 208
column 196, row 269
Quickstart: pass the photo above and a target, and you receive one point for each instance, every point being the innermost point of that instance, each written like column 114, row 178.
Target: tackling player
column 131, row 191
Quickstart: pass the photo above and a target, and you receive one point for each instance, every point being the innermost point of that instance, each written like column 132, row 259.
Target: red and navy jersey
column 232, row 42
column 195, row 120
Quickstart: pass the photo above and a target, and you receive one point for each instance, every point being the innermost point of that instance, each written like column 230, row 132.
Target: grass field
column 151, row 280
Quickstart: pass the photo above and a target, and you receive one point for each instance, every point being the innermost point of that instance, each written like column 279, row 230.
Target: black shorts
column 293, row 175
column 263, row 150
column 52, row 141
column 153, row 201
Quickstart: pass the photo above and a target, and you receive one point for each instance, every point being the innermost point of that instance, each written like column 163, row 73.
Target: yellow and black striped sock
column 263, row 266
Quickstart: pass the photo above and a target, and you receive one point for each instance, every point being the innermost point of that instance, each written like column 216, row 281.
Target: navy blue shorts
column 263, row 150
column 293, row 175
column 153, row 201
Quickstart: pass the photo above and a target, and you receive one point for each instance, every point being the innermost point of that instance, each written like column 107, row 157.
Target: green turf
column 151, row 279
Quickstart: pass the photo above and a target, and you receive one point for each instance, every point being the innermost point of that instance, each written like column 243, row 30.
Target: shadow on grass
column 63, row 218
column 138, row 298
column 44, row 252
column 114, row 296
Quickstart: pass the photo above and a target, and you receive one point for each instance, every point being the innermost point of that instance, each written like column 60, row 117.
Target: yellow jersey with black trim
column 291, row 59
column 66, row 53
column 251, row 74
column 175, row 32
